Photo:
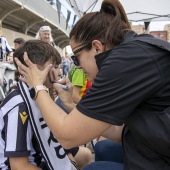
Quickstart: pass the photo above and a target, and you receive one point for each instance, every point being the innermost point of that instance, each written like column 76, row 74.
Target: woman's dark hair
column 107, row 26
column 39, row 52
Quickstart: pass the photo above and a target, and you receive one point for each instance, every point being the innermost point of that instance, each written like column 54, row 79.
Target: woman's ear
column 98, row 46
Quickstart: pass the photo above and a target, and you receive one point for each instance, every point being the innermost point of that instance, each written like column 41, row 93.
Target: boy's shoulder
column 13, row 99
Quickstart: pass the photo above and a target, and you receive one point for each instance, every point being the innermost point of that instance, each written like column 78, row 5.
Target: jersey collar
column 101, row 57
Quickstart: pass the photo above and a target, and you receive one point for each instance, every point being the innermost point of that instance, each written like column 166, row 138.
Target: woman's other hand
column 65, row 95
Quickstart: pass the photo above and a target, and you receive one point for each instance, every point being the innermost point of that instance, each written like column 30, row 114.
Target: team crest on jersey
column 23, row 116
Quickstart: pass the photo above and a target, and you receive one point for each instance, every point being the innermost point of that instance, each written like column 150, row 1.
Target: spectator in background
column 44, row 34
column 5, row 49
column 65, row 65
column 10, row 57
column 18, row 42
column 110, row 149
column 107, row 150
column 81, row 83
column 71, row 63
column 13, row 83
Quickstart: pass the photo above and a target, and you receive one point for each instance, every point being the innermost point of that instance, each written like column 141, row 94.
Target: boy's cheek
column 47, row 83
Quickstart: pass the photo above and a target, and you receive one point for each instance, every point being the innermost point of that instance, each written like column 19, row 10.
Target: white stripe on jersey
column 2, row 159
column 29, row 133
column 10, row 141
column 11, row 103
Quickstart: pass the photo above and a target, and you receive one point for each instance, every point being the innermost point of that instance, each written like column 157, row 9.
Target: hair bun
column 108, row 8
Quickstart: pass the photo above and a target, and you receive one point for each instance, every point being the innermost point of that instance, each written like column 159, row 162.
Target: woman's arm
column 114, row 133
column 70, row 130
column 76, row 94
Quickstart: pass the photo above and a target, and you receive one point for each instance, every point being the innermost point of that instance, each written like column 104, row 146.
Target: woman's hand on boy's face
column 31, row 74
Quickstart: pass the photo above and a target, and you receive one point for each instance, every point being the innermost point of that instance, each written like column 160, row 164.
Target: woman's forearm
column 53, row 115
column 69, row 106
column 114, row 133
column 69, row 128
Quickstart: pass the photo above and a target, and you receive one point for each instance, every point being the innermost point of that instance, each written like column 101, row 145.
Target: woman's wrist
column 37, row 84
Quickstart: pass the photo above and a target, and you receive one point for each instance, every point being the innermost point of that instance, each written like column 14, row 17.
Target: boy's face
column 53, row 75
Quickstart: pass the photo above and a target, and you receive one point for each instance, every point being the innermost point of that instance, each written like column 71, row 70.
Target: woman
column 130, row 75
column 44, row 34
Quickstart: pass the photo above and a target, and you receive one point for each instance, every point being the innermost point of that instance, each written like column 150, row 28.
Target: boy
column 27, row 142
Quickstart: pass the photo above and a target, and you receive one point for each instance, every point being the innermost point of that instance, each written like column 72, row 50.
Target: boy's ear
column 38, row 66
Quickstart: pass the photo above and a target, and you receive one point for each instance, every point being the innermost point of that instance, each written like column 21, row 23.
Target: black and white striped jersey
column 4, row 48
column 16, row 138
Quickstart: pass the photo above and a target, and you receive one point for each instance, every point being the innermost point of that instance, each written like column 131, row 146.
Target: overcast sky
column 154, row 26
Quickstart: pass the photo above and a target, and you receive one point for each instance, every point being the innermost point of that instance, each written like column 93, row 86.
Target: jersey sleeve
column 128, row 76
column 18, row 133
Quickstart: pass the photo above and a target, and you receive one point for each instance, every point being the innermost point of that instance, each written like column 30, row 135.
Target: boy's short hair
column 19, row 41
column 39, row 52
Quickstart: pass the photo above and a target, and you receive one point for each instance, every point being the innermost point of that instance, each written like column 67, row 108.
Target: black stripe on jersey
column 22, row 124
column 44, row 125
column 1, row 52
column 37, row 136
column 17, row 154
column 11, row 95
column 4, row 128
